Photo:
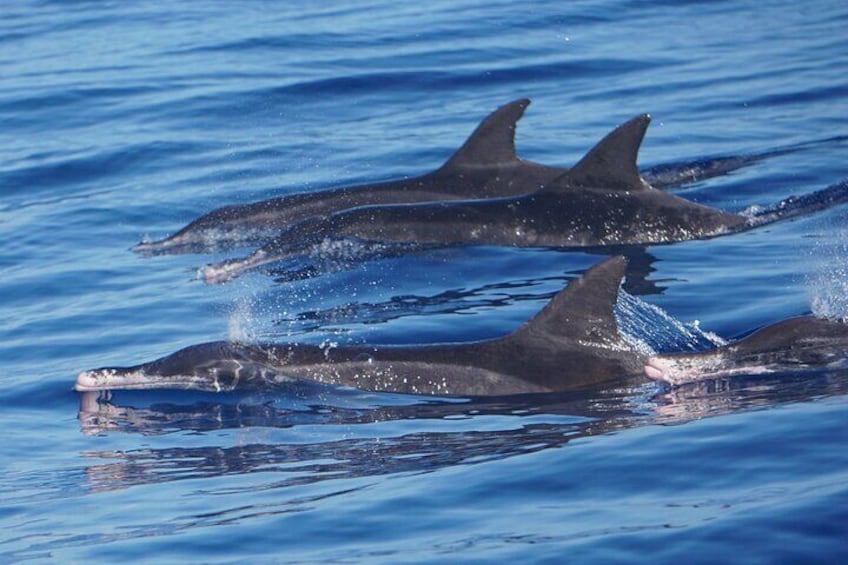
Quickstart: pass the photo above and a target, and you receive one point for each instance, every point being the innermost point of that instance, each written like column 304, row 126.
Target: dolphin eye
column 364, row 358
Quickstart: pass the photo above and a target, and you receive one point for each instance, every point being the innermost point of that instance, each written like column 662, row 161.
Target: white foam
column 658, row 330
column 240, row 323
column 828, row 284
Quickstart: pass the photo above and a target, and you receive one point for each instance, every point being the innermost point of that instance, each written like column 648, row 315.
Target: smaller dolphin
column 486, row 166
column 796, row 344
column 572, row 343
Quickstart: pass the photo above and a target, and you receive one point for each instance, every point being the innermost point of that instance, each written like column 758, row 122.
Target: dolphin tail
column 671, row 176
column 583, row 311
column 800, row 205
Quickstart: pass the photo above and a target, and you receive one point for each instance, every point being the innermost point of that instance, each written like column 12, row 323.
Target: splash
column 657, row 330
column 829, row 282
column 242, row 321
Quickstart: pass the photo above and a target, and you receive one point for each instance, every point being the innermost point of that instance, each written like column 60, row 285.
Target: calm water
column 125, row 120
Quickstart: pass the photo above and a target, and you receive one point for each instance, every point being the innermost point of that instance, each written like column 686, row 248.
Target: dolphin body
column 572, row 343
column 601, row 201
column 486, row 166
column 796, row 344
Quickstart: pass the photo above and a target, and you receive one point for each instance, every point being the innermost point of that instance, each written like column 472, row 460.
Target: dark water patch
column 90, row 167
column 329, row 42
column 377, row 84
column 42, row 395
column 800, row 97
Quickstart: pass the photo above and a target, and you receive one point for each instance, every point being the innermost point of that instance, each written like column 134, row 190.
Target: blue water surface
column 126, row 120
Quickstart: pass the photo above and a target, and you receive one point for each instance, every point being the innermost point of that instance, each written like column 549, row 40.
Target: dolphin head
column 797, row 344
column 217, row 367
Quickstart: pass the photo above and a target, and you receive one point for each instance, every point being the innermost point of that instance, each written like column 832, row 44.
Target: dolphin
column 796, row 344
column 486, row 166
column 572, row 343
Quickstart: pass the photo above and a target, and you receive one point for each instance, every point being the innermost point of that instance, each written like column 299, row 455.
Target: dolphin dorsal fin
column 583, row 310
column 493, row 142
column 612, row 163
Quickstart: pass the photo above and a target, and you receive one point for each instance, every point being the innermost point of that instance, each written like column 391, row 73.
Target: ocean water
column 121, row 121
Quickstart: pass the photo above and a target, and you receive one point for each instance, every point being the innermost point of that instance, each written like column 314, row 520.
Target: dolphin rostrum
column 572, row 343
column 602, row 201
column 795, row 344
column 486, row 166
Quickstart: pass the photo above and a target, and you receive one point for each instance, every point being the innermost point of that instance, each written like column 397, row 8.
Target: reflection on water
column 519, row 425
column 453, row 301
column 446, row 433
column 730, row 394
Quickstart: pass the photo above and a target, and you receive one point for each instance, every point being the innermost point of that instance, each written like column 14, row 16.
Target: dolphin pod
column 486, row 195
column 574, row 342
column 486, row 166
column 601, row 201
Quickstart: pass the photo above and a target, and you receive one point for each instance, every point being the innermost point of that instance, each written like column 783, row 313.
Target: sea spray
column 828, row 283
column 657, row 330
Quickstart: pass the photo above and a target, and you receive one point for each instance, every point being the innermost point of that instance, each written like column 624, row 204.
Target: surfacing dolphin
column 572, row 343
column 486, row 166
column 796, row 344
column 602, row 201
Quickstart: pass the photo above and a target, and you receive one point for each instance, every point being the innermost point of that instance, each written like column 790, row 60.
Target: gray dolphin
column 573, row 342
column 486, row 166
column 795, row 344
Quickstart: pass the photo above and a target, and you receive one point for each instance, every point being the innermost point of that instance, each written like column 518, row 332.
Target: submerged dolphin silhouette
column 573, row 342
column 795, row 344
column 486, row 166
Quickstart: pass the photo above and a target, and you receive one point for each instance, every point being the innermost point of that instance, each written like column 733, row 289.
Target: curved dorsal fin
column 612, row 163
column 493, row 141
column 583, row 310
